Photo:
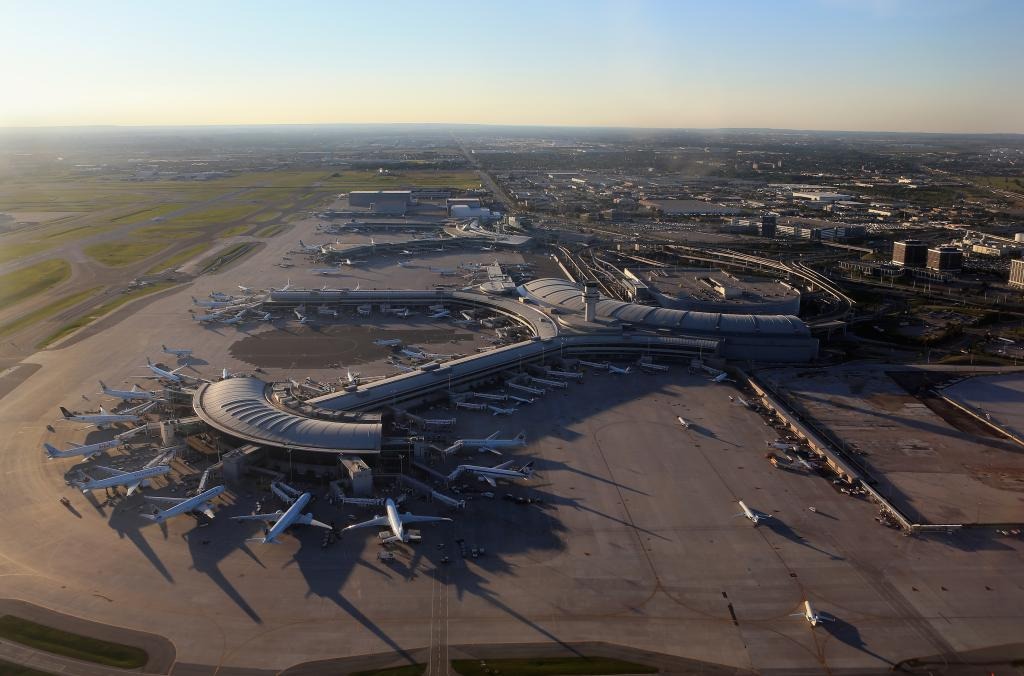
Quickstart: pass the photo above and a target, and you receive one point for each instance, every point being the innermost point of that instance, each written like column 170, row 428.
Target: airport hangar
column 274, row 422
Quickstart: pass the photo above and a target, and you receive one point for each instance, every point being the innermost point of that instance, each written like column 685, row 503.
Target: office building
column 945, row 259
column 768, row 223
column 1017, row 273
column 910, row 253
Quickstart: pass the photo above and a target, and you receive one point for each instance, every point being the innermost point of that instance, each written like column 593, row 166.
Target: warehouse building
column 390, row 202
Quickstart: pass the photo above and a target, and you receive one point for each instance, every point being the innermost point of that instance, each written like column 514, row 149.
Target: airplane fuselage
column 289, row 517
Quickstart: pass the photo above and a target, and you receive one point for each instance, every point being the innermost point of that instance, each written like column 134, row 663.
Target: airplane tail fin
column 66, row 413
column 528, row 468
column 103, row 387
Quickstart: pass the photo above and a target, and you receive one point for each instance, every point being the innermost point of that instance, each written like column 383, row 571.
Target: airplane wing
column 132, row 488
column 164, row 500
column 273, row 516
column 504, row 465
column 109, row 470
column 379, row 521
column 415, row 518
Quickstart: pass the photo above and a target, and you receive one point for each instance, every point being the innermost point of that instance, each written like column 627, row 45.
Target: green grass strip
column 98, row 312
column 46, row 311
column 65, row 643
column 32, row 279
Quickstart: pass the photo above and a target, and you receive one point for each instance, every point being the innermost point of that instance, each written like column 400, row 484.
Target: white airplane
column 284, row 520
column 404, row 264
column 406, row 252
column 214, row 304
column 352, row 378
column 131, row 480
column 755, row 516
column 520, row 400
column 246, row 289
column 86, row 451
column 177, row 352
column 165, row 374
column 200, row 504
column 812, row 617
column 682, row 422
column 722, row 377
column 324, row 272
column 612, row 368
column 102, row 419
column 440, row 314
column 286, row 286
column 237, row 319
column 387, row 342
column 134, row 394
column 211, row 317
column 491, row 474
column 498, row 410
column 781, row 445
column 303, row 319
column 310, row 248
column 396, row 522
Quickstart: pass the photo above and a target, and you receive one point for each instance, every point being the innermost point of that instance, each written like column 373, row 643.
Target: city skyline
column 944, row 67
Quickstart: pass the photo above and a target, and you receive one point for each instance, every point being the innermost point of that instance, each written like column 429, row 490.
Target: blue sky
column 916, row 65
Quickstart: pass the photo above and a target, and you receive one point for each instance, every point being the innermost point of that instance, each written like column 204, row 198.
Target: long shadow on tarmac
column 126, row 523
column 847, row 633
column 780, row 528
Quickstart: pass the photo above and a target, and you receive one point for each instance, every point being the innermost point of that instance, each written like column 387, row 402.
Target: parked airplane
column 102, row 419
column 134, row 394
column 246, row 289
column 491, row 474
column 722, row 377
column 165, row 374
column 406, row 252
column 812, row 617
column 310, row 248
column 612, row 368
column 755, row 516
column 395, row 522
column 387, row 342
column 286, row 286
column 682, row 422
column 324, row 272
column 199, row 504
column 131, row 480
column 520, row 400
column 214, row 304
column 184, row 353
column 211, row 317
column 86, row 451
column 403, row 264
column 303, row 319
column 440, row 314
column 498, row 410
column 284, row 520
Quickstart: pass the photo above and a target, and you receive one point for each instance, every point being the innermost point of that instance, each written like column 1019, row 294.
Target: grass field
column 9, row 669
column 555, row 666
column 46, row 311
column 101, row 310
column 407, row 670
column 28, row 281
column 226, row 256
column 1013, row 183
column 178, row 258
column 270, row 230
column 10, row 252
column 123, row 252
column 234, row 230
column 148, row 213
column 65, row 643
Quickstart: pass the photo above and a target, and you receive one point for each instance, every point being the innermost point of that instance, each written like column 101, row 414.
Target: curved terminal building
column 565, row 322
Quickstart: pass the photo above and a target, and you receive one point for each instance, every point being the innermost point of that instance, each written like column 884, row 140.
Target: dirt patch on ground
column 330, row 346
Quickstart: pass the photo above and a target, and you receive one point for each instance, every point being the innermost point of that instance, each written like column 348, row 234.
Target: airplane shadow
column 782, row 529
column 847, row 633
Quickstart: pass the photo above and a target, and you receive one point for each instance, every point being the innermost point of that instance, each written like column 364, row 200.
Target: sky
column 879, row 65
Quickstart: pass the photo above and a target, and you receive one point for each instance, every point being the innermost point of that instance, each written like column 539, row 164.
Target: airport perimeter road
column 633, row 541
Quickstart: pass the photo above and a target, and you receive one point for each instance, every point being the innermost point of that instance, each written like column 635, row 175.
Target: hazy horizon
column 946, row 66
